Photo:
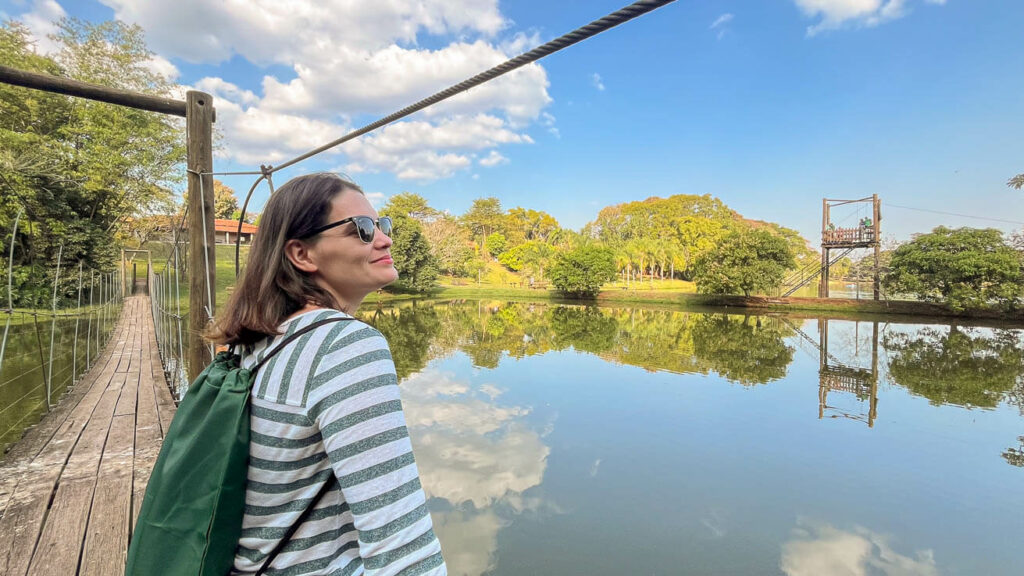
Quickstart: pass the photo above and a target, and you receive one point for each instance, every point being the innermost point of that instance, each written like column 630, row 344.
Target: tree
column 417, row 268
column 411, row 205
column 225, row 205
column 494, row 244
column 1016, row 182
column 745, row 262
column 581, row 272
column 81, row 171
column 450, row 245
column 483, row 218
column 967, row 268
column 531, row 224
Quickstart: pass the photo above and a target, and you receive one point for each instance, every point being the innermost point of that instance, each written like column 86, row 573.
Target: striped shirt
column 326, row 409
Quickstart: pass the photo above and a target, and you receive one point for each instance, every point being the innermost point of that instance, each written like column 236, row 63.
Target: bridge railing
column 168, row 291
column 47, row 343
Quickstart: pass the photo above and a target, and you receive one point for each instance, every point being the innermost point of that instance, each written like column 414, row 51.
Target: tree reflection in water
column 960, row 366
column 744, row 349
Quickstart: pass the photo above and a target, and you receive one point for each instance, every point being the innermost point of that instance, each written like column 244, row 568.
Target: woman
column 328, row 432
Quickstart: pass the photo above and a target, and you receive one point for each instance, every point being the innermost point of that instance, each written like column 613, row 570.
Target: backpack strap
column 292, row 338
column 291, row 529
column 327, row 485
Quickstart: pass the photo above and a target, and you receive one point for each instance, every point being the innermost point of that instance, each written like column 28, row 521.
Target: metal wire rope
column 596, row 27
column 612, row 20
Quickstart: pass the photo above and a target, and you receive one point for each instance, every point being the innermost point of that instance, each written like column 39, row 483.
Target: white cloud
column 41, row 22
column 721, row 20
column 266, row 31
column 377, row 199
column 595, row 79
column 822, row 549
column 257, row 136
column 164, row 67
column 355, row 60
column 422, row 150
column 835, row 14
column 493, row 159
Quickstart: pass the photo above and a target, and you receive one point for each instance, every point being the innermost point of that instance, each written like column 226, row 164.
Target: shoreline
column 921, row 312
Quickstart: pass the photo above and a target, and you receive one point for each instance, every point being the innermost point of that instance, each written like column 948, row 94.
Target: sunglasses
column 365, row 226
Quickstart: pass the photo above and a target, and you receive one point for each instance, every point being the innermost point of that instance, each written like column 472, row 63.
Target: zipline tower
column 867, row 234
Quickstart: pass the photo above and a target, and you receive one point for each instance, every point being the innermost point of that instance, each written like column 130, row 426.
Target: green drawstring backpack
column 191, row 517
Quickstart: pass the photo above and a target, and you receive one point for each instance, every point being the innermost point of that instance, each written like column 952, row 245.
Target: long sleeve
column 353, row 399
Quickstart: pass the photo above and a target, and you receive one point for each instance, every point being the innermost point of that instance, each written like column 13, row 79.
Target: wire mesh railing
column 168, row 290
column 44, row 351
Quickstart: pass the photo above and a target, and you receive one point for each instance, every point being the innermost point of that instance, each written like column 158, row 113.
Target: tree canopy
column 581, row 272
column 967, row 268
column 744, row 262
column 81, row 170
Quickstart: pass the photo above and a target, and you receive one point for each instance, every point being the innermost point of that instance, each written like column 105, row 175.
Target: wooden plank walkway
column 70, row 490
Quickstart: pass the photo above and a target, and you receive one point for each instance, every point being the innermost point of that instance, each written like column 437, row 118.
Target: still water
column 570, row 440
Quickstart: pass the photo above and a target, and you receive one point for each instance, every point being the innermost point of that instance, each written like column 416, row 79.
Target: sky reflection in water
column 568, row 440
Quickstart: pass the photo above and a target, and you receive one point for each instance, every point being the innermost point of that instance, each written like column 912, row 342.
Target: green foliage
column 976, row 369
column 483, row 218
column 744, row 262
column 581, row 272
column 745, row 350
column 513, row 258
column 225, row 205
column 417, row 268
column 494, row 244
column 410, row 205
column 585, row 329
column 967, row 268
column 525, row 225
column 450, row 245
column 1016, row 182
column 80, row 169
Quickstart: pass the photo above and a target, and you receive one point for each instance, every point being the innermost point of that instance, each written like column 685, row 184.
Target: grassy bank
column 832, row 307
column 674, row 293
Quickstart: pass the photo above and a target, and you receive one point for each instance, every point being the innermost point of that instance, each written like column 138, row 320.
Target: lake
column 563, row 439
column 571, row 440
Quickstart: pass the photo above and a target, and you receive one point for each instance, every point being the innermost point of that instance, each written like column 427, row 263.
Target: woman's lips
column 383, row 260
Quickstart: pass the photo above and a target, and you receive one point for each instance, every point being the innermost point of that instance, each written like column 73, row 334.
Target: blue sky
column 768, row 105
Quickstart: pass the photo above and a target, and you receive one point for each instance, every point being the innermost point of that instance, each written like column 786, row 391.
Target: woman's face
column 346, row 266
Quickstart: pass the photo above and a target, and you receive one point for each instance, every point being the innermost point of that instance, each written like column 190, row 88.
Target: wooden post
column 873, row 402
column 201, row 248
column 823, row 282
column 876, row 215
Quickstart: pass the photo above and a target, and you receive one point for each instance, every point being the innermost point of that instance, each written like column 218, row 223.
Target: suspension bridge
column 72, row 485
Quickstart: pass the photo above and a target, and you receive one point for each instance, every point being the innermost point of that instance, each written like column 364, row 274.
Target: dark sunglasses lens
column 385, row 225
column 364, row 224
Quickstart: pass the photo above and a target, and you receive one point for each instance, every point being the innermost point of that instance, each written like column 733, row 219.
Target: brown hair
column 270, row 288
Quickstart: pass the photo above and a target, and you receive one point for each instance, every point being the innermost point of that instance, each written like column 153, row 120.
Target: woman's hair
column 270, row 288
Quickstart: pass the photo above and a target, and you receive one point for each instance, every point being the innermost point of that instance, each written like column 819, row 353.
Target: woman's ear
column 300, row 256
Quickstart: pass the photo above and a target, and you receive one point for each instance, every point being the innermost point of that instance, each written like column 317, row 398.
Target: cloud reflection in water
column 818, row 548
column 477, row 456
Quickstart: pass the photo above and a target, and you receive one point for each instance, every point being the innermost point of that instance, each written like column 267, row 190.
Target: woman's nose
column 382, row 240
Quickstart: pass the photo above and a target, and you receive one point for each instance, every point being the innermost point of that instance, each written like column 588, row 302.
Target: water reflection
column 816, row 549
column 954, row 365
column 720, row 427
column 476, row 455
column 741, row 348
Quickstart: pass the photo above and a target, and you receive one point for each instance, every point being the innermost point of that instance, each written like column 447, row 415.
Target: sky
column 769, row 105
